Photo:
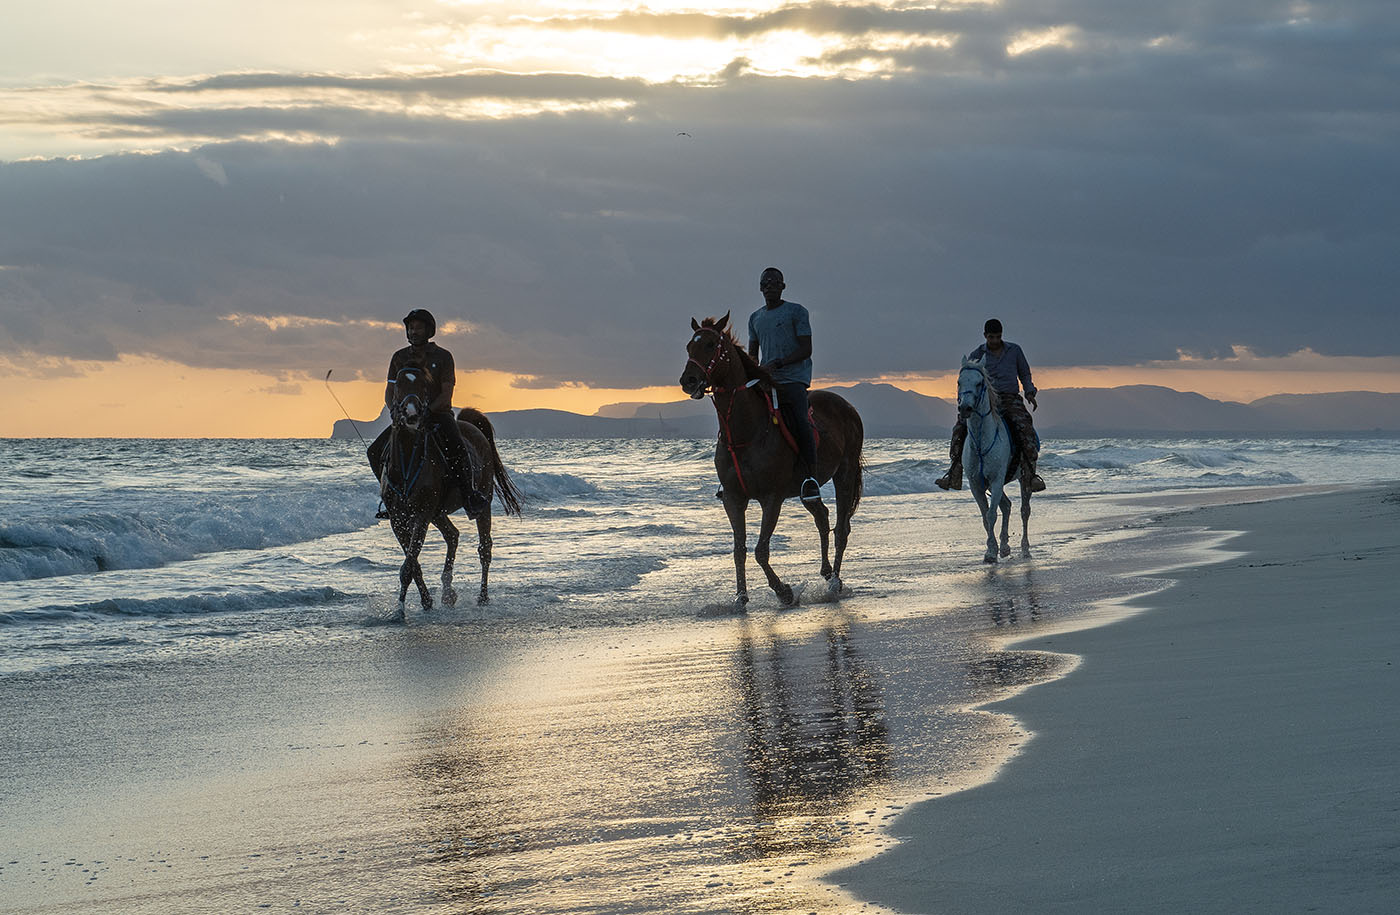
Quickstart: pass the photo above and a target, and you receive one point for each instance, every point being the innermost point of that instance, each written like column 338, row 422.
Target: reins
column 721, row 357
column 982, row 453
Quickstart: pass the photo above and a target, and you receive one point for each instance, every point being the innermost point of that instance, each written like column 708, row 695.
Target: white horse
column 986, row 458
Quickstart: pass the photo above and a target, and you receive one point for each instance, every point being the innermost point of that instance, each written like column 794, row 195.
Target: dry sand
column 1235, row 748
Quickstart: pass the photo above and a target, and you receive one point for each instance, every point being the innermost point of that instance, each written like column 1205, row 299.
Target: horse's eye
column 696, row 339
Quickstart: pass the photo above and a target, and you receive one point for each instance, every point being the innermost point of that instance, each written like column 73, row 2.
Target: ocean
column 207, row 704
column 121, row 551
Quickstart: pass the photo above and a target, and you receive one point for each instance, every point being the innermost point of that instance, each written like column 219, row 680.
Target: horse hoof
column 990, row 559
column 483, row 600
column 833, row 585
column 1005, row 552
column 449, row 597
column 741, row 603
column 784, row 593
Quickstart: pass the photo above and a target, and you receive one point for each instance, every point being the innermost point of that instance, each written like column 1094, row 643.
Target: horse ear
column 694, row 325
column 720, row 324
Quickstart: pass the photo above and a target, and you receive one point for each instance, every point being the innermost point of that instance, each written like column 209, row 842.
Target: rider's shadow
column 814, row 732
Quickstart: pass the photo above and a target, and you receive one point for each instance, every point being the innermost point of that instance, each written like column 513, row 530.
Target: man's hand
column 1031, row 398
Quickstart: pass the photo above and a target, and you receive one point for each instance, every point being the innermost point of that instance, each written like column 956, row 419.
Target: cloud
column 1118, row 184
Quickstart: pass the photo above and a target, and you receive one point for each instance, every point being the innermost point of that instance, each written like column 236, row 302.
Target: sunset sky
column 206, row 207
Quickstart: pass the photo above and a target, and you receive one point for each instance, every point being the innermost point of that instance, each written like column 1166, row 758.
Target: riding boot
column 952, row 479
column 1033, row 481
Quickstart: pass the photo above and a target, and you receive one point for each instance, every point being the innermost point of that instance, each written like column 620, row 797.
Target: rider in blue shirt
column 1009, row 371
column 782, row 332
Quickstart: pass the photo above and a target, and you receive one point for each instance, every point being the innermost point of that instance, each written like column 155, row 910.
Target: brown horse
column 419, row 489
column 754, row 460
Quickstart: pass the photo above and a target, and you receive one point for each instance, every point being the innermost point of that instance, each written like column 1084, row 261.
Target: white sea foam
column 116, row 551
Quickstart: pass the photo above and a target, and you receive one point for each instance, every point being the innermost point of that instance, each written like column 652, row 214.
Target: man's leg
column 1014, row 409
column 792, row 400
column 459, row 458
column 375, row 453
column 953, row 478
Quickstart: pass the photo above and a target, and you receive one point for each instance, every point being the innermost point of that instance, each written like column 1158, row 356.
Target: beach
column 244, row 727
column 1232, row 747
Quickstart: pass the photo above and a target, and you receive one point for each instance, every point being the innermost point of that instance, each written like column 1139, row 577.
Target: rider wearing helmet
column 1010, row 372
column 420, row 326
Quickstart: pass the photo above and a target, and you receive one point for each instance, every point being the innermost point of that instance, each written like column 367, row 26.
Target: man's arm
column 804, row 351
column 443, row 402
column 1023, row 372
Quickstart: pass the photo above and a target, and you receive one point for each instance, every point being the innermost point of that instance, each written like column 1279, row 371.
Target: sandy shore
column 1236, row 748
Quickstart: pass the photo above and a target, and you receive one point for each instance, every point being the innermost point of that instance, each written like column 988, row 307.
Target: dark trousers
column 448, row 435
column 792, row 403
column 1013, row 409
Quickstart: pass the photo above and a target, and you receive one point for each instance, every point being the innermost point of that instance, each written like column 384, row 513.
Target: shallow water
column 211, row 707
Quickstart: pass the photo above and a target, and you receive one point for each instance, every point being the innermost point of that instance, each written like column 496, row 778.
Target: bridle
column 978, row 395
column 720, row 358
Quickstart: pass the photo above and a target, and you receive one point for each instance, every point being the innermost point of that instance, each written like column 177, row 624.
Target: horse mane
column 751, row 367
column 993, row 398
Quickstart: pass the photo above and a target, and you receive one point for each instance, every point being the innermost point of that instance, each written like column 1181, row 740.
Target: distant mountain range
column 891, row 412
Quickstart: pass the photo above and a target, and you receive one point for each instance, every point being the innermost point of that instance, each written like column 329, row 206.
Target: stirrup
column 815, row 492
column 1036, row 484
column 383, row 513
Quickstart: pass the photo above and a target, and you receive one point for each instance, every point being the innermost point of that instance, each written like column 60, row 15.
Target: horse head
column 412, row 395
column 973, row 384
column 712, row 356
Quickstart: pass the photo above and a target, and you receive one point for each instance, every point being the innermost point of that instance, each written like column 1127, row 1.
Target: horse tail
column 859, row 459
column 505, row 487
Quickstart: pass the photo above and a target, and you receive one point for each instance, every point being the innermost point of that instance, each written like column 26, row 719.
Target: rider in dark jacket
column 1010, row 372
column 419, row 327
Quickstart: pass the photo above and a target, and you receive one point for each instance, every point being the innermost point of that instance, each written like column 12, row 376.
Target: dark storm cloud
column 1113, row 201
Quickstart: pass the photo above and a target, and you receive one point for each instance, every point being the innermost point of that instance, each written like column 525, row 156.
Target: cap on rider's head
column 993, row 326
column 422, row 314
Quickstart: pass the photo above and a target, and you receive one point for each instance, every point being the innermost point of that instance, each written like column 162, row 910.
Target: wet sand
column 1233, row 748
column 466, row 763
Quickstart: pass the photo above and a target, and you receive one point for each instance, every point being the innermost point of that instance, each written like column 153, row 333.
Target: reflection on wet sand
column 670, row 783
column 815, row 733
column 722, row 774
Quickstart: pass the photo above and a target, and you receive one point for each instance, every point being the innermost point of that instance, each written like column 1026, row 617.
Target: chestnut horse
column 754, row 460
column 419, row 489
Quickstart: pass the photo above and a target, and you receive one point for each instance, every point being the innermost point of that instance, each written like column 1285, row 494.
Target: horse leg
column 736, row 506
column 771, row 508
column 987, row 509
column 1025, row 519
column 847, row 485
column 420, row 533
column 1005, row 524
column 483, row 552
column 450, row 536
column 822, row 516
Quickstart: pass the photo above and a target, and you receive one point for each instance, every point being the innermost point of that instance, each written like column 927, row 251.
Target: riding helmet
column 422, row 314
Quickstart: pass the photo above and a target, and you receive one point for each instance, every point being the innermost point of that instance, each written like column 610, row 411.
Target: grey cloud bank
column 1112, row 200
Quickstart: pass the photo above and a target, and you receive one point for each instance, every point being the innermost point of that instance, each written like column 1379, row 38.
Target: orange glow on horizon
column 138, row 397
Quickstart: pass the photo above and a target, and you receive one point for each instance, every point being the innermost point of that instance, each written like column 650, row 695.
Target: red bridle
column 721, row 357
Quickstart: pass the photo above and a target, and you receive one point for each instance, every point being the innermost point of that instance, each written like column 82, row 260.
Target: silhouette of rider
column 1009, row 371
column 782, row 332
column 437, row 363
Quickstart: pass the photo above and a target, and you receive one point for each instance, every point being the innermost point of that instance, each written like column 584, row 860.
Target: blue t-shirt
column 777, row 330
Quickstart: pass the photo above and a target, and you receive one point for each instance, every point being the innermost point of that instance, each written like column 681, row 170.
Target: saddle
column 776, row 415
column 1013, row 467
